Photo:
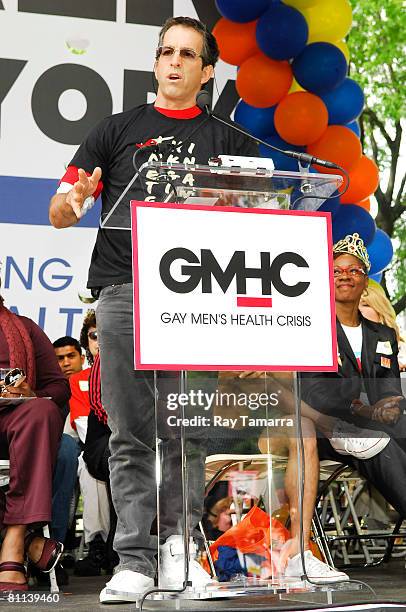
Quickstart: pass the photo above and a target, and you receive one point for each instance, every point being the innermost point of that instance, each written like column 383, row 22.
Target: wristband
column 87, row 205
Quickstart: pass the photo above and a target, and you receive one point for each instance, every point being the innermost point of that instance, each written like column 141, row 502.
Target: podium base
column 298, row 590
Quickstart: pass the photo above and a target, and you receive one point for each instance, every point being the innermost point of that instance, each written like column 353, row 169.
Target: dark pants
column 96, row 456
column 31, row 432
column 387, row 470
column 63, row 486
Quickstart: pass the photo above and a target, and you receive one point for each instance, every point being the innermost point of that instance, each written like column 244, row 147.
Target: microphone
column 203, row 101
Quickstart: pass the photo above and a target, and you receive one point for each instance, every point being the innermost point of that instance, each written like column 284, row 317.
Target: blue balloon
column 320, row 67
column 281, row 161
column 241, row 11
column 380, row 251
column 258, row 121
column 282, row 32
column 376, row 277
column 351, row 218
column 344, row 103
column 354, row 126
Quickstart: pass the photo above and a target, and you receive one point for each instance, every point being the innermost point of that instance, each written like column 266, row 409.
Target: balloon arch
column 295, row 93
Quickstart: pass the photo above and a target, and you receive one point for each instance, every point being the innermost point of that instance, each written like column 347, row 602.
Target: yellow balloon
column 342, row 45
column 328, row 21
column 373, row 283
column 295, row 87
column 299, row 4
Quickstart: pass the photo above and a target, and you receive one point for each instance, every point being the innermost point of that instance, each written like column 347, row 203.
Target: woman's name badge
column 385, row 348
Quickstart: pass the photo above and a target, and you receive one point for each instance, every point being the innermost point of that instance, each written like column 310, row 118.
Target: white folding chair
column 338, row 525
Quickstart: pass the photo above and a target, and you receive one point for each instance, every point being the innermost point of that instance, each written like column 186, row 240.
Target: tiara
column 353, row 245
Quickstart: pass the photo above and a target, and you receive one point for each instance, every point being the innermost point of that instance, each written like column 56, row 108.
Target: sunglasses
column 92, row 335
column 184, row 52
column 350, row 270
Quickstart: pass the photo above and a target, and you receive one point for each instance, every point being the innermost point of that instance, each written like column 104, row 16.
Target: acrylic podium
column 212, row 416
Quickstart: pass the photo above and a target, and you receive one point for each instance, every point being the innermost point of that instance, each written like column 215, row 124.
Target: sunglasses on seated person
column 185, row 52
column 92, row 335
column 350, row 270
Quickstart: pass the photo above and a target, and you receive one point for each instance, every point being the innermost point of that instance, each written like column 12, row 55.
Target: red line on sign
column 249, row 302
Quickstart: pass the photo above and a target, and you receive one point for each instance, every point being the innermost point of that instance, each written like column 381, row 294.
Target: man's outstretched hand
column 84, row 187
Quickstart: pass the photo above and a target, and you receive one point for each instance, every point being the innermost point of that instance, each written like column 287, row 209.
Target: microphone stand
column 203, row 100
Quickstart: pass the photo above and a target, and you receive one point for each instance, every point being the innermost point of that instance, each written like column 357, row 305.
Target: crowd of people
column 94, row 428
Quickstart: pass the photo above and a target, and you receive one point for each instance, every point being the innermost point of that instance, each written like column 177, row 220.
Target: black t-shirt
column 112, row 144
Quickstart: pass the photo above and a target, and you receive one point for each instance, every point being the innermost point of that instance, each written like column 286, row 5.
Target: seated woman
column 375, row 306
column 366, row 390
column 30, row 432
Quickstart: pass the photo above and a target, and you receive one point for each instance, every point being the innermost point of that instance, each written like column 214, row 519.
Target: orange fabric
column 253, row 535
column 79, row 403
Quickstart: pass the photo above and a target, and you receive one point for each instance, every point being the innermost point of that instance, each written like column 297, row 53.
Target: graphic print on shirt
column 180, row 153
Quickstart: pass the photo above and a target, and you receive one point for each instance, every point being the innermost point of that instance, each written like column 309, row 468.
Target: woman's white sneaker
column 316, row 570
column 348, row 439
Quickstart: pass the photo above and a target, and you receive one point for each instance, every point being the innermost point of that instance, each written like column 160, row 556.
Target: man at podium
column 185, row 58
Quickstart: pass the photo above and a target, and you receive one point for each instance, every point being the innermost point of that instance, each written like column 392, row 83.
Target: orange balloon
column 262, row 81
column 236, row 41
column 301, row 118
column 364, row 180
column 340, row 145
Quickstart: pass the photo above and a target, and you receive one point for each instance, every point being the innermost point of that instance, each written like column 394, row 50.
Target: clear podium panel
column 228, row 482
column 214, row 185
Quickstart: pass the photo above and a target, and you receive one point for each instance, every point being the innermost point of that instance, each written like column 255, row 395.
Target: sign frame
column 140, row 364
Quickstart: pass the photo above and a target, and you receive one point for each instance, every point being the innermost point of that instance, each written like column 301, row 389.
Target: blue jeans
column 63, row 485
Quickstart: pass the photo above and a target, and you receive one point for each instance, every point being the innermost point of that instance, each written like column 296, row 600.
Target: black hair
column 210, row 50
column 88, row 322
column 67, row 341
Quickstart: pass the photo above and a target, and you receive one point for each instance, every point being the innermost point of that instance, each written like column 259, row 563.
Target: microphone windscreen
column 203, row 99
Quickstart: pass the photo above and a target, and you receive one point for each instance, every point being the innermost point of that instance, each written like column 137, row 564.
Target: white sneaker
column 360, row 443
column 130, row 586
column 172, row 568
column 316, row 570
